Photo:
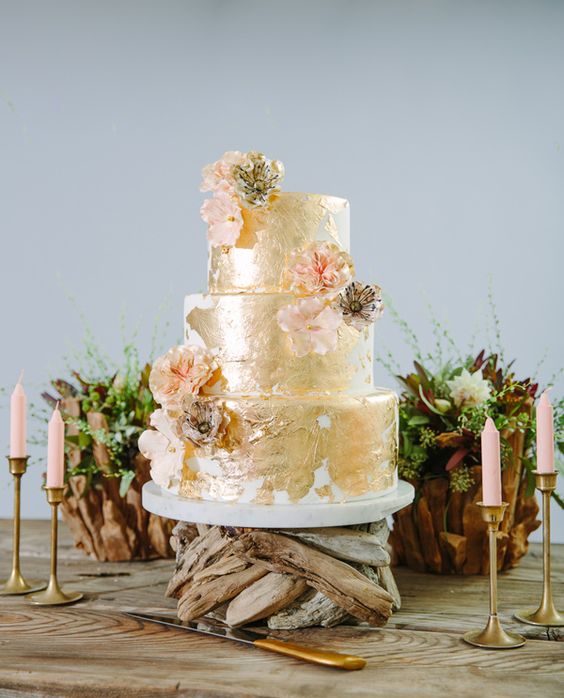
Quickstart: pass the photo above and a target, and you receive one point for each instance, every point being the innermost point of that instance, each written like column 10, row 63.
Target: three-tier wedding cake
column 271, row 400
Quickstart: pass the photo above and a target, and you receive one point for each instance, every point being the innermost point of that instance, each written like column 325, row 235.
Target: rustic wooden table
column 90, row 649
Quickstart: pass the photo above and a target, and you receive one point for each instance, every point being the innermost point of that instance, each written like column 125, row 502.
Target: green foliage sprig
column 119, row 391
column 125, row 401
column 440, row 436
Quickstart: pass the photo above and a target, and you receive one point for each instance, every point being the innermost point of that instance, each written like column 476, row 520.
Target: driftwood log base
column 292, row 578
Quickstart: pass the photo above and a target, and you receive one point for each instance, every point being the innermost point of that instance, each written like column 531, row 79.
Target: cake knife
column 307, row 654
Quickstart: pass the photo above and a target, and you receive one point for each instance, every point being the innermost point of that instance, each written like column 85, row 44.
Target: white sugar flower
column 165, row 451
column 469, row 389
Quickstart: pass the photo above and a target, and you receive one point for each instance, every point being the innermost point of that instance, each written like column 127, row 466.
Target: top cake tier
column 257, row 262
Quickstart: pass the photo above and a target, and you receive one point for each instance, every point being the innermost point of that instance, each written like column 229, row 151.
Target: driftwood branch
column 344, row 544
column 334, row 578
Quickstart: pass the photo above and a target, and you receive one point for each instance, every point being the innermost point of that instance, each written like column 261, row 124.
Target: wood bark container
column 291, row 578
column 107, row 526
column 443, row 531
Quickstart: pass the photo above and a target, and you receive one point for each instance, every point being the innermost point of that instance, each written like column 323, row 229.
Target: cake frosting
column 270, row 399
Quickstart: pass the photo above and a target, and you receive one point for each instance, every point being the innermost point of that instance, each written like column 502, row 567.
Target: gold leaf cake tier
column 253, row 351
column 257, row 261
column 298, row 450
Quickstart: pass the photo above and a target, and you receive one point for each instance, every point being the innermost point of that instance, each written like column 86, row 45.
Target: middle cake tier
column 255, row 355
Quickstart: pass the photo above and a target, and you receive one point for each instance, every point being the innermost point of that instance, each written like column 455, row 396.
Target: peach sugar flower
column 180, row 373
column 222, row 213
column 165, row 451
column 319, row 268
column 311, row 325
column 219, row 175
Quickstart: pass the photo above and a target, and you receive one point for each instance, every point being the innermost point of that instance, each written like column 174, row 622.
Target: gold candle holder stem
column 16, row 584
column 492, row 535
column 493, row 636
column 546, row 614
column 53, row 594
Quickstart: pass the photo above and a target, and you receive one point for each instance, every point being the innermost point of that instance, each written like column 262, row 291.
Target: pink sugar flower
column 320, row 268
column 223, row 215
column 219, row 175
column 180, row 373
column 311, row 325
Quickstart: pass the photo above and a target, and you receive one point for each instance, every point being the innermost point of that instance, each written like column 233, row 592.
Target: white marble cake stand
column 171, row 506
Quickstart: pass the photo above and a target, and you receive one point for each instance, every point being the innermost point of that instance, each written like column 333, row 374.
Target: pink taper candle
column 18, row 408
column 545, row 435
column 56, row 450
column 491, row 469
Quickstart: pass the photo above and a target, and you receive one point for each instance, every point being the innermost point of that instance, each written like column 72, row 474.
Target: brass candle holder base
column 546, row 614
column 16, row 585
column 493, row 636
column 53, row 594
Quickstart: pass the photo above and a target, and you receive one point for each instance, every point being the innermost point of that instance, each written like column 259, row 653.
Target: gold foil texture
column 287, row 449
column 257, row 262
column 256, row 357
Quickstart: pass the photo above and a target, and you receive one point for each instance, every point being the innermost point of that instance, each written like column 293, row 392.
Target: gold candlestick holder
column 16, row 584
column 546, row 613
column 493, row 636
column 54, row 595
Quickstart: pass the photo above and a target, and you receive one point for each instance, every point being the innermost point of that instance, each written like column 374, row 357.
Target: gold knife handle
column 311, row 654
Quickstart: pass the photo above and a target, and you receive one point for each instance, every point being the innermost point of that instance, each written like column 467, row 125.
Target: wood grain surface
column 91, row 650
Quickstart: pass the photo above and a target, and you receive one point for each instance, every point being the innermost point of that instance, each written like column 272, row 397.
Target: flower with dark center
column 201, row 422
column 361, row 304
column 256, row 179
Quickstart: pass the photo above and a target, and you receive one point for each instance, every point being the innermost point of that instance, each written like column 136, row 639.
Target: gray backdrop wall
column 441, row 122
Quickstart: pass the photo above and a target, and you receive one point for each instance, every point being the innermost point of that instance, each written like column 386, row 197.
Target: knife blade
column 314, row 655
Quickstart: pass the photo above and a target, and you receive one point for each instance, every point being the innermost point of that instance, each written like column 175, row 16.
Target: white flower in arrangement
column 164, row 449
column 469, row 389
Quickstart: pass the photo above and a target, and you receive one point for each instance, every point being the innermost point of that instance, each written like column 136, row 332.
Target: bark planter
column 105, row 525
column 109, row 527
column 443, row 532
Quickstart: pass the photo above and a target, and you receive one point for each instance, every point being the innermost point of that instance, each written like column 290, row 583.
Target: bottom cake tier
column 294, row 450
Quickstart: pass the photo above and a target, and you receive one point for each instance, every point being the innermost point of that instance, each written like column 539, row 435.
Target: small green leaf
column 126, row 480
column 418, row 419
column 84, row 440
column 407, row 445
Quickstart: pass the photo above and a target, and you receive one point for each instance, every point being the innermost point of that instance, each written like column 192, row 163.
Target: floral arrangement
column 106, row 407
column 122, row 402
column 443, row 410
column 442, row 416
